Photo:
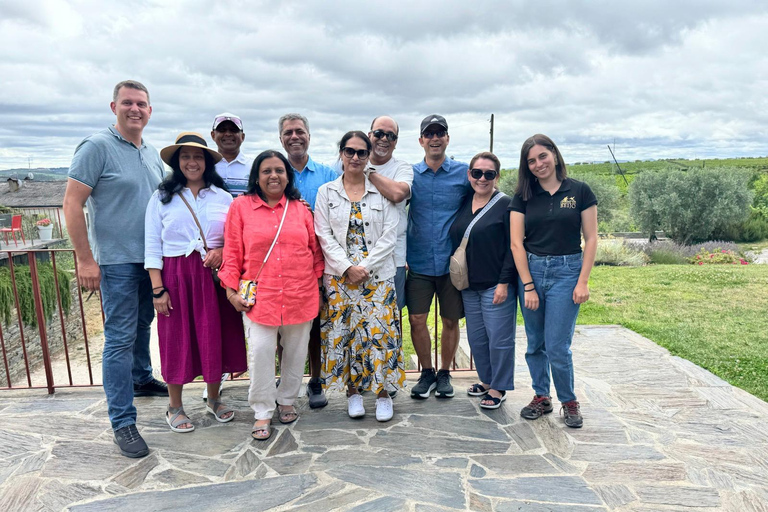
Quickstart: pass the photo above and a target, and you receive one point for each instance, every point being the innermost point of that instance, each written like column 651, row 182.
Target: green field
column 712, row 315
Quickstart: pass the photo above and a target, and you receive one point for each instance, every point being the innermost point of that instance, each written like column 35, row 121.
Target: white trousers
column 262, row 343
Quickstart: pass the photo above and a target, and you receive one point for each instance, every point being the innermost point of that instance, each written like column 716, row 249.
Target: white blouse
column 170, row 230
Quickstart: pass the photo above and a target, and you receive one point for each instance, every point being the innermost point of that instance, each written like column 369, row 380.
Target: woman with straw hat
column 200, row 333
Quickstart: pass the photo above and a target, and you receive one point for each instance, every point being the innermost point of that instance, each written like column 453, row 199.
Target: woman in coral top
column 287, row 293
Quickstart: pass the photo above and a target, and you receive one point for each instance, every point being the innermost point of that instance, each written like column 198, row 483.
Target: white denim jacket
column 380, row 219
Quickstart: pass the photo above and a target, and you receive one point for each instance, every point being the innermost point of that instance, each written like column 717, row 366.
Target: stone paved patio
column 660, row 434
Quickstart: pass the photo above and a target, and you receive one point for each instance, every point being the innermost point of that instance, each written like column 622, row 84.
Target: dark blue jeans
column 491, row 335
column 126, row 294
column 550, row 328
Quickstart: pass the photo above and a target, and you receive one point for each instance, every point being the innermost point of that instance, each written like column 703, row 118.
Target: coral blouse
column 287, row 290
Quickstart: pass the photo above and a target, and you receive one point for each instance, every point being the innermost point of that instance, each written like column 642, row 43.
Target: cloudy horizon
column 662, row 80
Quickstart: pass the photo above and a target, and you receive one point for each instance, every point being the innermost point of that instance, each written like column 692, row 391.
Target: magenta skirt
column 203, row 334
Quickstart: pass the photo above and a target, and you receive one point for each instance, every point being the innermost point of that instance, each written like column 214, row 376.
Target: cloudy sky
column 663, row 79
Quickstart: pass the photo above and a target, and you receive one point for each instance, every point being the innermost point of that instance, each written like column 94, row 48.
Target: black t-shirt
column 489, row 257
column 553, row 222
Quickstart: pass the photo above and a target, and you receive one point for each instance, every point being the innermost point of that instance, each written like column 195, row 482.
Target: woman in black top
column 490, row 308
column 549, row 213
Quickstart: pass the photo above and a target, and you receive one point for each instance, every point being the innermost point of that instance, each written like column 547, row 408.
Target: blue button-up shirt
column 435, row 201
column 311, row 178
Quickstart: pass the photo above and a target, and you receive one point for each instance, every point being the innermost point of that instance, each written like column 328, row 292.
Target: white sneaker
column 384, row 409
column 355, row 406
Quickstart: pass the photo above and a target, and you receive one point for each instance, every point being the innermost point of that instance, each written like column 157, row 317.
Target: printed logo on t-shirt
column 568, row 202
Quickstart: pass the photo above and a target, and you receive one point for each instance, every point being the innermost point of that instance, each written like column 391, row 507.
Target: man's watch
column 369, row 171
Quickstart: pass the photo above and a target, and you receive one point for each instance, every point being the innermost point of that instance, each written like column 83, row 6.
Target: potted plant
column 45, row 229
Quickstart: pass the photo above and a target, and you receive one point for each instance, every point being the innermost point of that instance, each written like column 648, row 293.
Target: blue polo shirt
column 435, row 201
column 311, row 178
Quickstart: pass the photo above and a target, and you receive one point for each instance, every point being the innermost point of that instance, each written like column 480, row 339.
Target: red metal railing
column 36, row 347
column 39, row 350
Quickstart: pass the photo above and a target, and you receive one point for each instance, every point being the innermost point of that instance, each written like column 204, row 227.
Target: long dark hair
column 291, row 192
column 176, row 181
column 524, row 176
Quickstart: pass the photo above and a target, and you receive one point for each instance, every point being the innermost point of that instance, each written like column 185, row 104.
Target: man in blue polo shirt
column 114, row 172
column 440, row 186
column 309, row 176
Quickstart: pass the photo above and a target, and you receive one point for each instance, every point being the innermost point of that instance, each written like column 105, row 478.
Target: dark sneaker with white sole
column 316, row 395
column 572, row 413
column 151, row 388
column 444, row 388
column 538, row 406
column 130, row 442
column 427, row 383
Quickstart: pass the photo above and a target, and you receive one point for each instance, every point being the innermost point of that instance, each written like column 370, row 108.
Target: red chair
column 15, row 226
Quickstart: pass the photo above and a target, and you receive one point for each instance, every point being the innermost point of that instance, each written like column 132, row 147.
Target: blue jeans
column 550, row 328
column 126, row 294
column 491, row 335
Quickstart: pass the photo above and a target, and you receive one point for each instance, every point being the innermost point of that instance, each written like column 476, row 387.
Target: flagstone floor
column 660, row 434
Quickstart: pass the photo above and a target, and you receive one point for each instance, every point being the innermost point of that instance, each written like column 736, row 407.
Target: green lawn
column 713, row 315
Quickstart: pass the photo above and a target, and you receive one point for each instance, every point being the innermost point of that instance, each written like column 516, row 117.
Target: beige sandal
column 287, row 416
column 262, row 432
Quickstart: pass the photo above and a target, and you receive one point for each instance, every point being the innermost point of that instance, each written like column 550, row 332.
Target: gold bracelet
column 231, row 295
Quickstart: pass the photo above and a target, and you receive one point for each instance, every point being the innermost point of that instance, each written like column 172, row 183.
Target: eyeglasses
column 380, row 134
column 479, row 173
column 438, row 134
column 362, row 154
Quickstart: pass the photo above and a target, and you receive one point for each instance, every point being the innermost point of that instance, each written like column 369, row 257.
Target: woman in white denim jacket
column 360, row 323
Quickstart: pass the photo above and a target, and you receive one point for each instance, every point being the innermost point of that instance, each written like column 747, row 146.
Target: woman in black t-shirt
column 548, row 214
column 489, row 304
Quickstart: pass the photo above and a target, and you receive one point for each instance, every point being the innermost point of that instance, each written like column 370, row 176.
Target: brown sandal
column 262, row 432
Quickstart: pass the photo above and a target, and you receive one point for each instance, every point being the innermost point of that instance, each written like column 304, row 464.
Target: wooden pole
column 491, row 133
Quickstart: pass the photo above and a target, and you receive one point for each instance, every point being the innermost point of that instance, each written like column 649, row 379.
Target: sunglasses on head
column 362, row 154
column 479, row 173
column 438, row 134
column 380, row 134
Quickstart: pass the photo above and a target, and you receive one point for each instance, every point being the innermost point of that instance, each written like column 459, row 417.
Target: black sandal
column 477, row 390
column 496, row 400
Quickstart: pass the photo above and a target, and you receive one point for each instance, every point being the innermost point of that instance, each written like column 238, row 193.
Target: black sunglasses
column 380, row 134
column 479, row 173
column 362, row 154
column 438, row 134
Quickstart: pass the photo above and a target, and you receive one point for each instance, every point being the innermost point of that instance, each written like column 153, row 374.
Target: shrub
column 508, row 181
column 668, row 252
column 690, row 205
column 616, row 252
column 607, row 193
column 717, row 257
column 26, row 298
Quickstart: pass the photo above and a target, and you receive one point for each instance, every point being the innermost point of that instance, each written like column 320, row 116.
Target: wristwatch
column 369, row 170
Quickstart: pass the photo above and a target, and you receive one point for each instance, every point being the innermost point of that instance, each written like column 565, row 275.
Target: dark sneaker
column 572, row 414
column 538, row 406
column 130, row 442
column 151, row 388
column 316, row 395
column 444, row 388
column 427, row 382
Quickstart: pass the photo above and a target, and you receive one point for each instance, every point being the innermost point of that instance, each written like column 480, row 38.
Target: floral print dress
column 360, row 325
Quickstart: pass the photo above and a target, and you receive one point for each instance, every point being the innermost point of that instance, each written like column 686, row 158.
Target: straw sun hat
column 189, row 139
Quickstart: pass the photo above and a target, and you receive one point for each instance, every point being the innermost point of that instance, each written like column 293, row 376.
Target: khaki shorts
column 420, row 290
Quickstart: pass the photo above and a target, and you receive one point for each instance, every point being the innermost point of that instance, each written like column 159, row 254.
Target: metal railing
column 49, row 338
column 35, row 342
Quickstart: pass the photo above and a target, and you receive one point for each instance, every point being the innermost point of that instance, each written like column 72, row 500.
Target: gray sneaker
column 316, row 395
column 444, row 388
column 427, row 382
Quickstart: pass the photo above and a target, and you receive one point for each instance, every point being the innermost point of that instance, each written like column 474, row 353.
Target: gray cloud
column 664, row 79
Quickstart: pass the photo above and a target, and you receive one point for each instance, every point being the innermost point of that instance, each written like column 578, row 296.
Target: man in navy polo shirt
column 440, row 186
column 309, row 176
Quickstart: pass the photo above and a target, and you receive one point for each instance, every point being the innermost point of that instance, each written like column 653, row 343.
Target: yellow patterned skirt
column 360, row 330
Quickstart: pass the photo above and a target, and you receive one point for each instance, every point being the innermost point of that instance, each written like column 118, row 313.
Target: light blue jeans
column 126, row 294
column 491, row 335
column 550, row 328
